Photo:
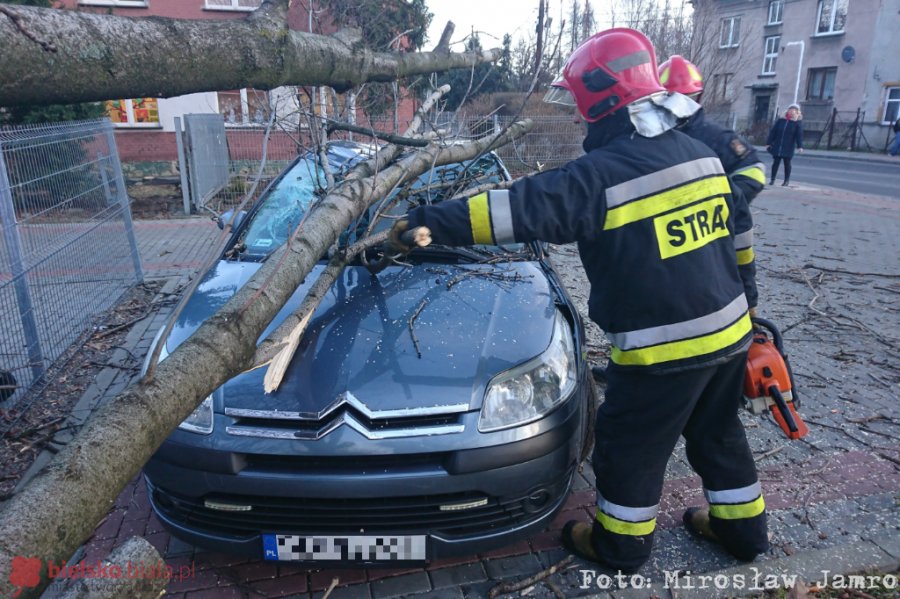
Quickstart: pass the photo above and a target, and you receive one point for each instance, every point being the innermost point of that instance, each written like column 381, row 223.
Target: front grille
column 297, row 464
column 391, row 515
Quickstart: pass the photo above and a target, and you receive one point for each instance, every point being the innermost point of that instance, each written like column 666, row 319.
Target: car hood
column 427, row 336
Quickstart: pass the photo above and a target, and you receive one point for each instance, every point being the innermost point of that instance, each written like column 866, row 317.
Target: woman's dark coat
column 784, row 137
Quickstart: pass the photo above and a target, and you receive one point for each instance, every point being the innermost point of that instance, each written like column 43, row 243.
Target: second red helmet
column 678, row 74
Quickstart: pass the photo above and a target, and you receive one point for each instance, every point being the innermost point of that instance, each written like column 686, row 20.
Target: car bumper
column 464, row 502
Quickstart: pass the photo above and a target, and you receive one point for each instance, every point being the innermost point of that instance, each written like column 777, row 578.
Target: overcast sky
column 492, row 18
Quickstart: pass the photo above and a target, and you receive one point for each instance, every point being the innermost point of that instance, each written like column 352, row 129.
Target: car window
column 284, row 204
column 283, row 207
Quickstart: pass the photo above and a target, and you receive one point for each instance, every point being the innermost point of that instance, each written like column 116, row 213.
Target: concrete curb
column 838, row 155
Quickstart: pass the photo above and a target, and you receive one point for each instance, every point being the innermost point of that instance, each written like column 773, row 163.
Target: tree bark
column 143, row 575
column 60, row 508
column 53, row 56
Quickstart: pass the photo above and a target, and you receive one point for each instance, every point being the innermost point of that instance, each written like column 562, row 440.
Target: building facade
column 838, row 59
column 146, row 127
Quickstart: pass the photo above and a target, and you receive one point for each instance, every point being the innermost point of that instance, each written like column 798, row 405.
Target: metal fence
column 220, row 165
column 68, row 250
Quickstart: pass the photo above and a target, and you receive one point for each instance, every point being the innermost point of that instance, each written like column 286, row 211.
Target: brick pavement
column 828, row 274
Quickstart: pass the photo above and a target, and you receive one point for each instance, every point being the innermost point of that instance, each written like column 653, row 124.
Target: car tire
column 593, row 401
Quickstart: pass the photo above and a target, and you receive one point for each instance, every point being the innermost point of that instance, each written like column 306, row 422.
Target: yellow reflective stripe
column 752, row 172
column 687, row 348
column 737, row 511
column 668, row 200
column 480, row 219
column 745, row 257
column 624, row 527
column 664, row 78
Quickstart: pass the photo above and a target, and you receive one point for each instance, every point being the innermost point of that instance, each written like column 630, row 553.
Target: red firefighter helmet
column 678, row 74
column 610, row 70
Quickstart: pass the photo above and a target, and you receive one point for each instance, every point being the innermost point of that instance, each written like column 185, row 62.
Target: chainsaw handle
column 782, row 406
column 773, row 330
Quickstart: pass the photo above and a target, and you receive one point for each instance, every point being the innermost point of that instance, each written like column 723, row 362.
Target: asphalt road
column 879, row 178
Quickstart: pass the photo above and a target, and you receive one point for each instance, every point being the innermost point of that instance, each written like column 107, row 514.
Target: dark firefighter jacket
column 653, row 218
column 748, row 177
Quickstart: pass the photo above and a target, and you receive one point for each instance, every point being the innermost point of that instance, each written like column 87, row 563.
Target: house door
column 761, row 109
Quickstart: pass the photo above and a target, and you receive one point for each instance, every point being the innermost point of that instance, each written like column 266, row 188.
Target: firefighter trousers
column 637, row 428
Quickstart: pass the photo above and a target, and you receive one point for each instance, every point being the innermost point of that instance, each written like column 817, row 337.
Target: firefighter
column 651, row 210
column 743, row 167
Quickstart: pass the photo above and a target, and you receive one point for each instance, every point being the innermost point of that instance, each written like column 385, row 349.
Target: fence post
column 854, row 133
column 17, row 264
column 104, row 178
column 182, row 167
column 122, row 193
column 831, row 128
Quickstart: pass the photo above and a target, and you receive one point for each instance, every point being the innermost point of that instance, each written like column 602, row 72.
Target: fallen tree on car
column 59, row 509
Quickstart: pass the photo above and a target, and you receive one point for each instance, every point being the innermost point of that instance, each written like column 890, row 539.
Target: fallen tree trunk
column 53, row 56
column 134, row 570
column 60, row 508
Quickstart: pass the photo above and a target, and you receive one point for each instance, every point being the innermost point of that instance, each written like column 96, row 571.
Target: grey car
column 436, row 408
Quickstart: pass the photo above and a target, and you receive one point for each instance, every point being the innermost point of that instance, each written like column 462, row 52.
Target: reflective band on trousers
column 740, row 495
column 734, row 504
column 678, row 331
column 624, row 520
column 491, row 218
column 757, row 172
column 738, row 511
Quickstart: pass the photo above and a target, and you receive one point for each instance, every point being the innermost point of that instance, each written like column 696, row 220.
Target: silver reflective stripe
column 758, row 165
column 501, row 216
column 742, row 495
column 680, row 174
column 629, row 60
column 744, row 240
column 681, row 330
column 629, row 514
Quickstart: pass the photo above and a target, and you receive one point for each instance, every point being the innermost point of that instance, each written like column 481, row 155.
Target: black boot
column 786, row 183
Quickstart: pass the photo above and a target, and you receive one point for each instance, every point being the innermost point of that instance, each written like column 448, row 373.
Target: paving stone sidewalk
column 828, row 276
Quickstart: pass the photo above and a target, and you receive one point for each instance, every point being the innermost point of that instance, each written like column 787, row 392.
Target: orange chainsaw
column 769, row 382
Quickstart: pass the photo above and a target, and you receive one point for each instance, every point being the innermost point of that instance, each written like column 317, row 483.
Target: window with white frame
column 891, row 105
column 730, row 36
column 115, row 3
column 244, row 106
column 776, row 12
column 771, row 54
column 232, row 4
column 137, row 112
column 831, row 16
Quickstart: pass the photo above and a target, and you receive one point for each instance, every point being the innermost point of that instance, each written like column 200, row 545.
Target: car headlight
column 531, row 390
column 201, row 420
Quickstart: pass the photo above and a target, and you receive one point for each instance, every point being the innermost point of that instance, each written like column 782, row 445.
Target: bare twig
column 769, row 453
column 412, row 332
column 512, row 587
column 331, row 587
column 849, row 272
column 388, row 137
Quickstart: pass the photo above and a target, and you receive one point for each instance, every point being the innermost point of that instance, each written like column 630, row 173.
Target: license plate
column 289, row 548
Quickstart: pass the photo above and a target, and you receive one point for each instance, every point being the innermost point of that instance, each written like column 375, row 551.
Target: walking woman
column 786, row 134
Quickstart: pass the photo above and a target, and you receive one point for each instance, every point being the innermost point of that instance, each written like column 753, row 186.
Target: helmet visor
column 559, row 95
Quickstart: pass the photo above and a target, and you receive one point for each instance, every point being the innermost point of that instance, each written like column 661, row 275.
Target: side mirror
column 226, row 217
